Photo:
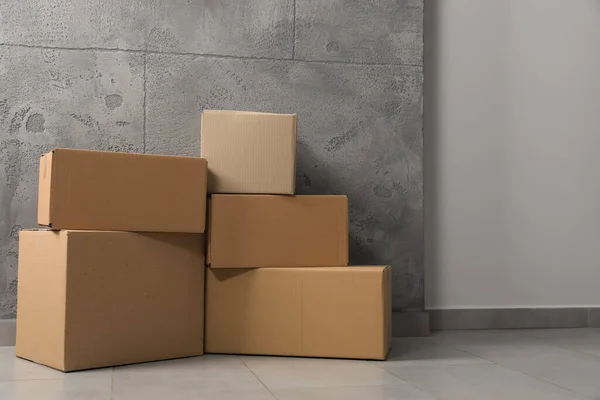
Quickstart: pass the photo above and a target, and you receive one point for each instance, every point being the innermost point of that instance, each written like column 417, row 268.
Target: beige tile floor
column 482, row 365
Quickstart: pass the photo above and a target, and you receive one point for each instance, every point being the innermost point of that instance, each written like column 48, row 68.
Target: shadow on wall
column 313, row 177
column 378, row 235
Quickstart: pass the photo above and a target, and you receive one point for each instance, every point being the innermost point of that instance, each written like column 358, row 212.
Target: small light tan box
column 89, row 299
column 312, row 312
column 249, row 152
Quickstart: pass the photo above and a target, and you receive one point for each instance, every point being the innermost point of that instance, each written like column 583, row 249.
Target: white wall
column 512, row 153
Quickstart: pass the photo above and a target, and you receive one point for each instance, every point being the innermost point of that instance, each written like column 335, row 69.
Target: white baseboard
column 515, row 318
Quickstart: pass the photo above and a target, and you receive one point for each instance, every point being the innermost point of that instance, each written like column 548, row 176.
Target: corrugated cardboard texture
column 44, row 189
column 81, row 189
column 249, row 152
column 92, row 299
column 247, row 231
column 41, row 297
column 315, row 312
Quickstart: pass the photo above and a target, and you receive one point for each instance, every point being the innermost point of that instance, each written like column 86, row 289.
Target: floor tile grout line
column 558, row 346
column 112, row 382
column 571, row 350
column 31, row 379
column 432, row 364
column 578, row 352
column 523, row 373
column 493, row 363
column 542, row 380
column 373, row 363
column 401, row 380
column 454, row 347
column 256, row 376
column 350, row 386
column 208, row 55
column 420, row 389
column 519, row 332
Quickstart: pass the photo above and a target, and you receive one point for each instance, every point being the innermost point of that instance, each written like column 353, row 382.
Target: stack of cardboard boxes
column 278, row 281
column 120, row 277
column 94, row 291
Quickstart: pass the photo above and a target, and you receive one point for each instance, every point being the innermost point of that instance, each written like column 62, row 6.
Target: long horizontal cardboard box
column 249, row 152
column 314, row 312
column 82, row 189
column 89, row 299
column 247, row 231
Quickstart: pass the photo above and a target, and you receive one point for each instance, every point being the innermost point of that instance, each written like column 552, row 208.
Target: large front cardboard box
column 89, row 299
column 314, row 312
column 82, row 189
column 249, row 152
column 248, row 231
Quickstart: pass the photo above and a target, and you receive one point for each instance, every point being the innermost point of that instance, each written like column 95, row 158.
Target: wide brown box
column 83, row 189
column 249, row 231
column 313, row 312
column 89, row 299
column 249, row 152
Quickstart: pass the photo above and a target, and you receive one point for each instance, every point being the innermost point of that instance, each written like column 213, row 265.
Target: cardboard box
column 249, row 152
column 248, row 231
column 89, row 299
column 314, row 312
column 82, row 189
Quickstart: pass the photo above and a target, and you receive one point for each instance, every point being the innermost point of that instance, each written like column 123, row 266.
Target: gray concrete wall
column 135, row 75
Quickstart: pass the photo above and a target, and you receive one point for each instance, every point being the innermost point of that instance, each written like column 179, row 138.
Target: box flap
column 44, row 189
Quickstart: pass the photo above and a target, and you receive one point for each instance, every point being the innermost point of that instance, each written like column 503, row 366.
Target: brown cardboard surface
column 44, row 188
column 82, row 189
column 249, row 152
column 41, row 297
column 89, row 299
column 247, row 231
column 315, row 312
